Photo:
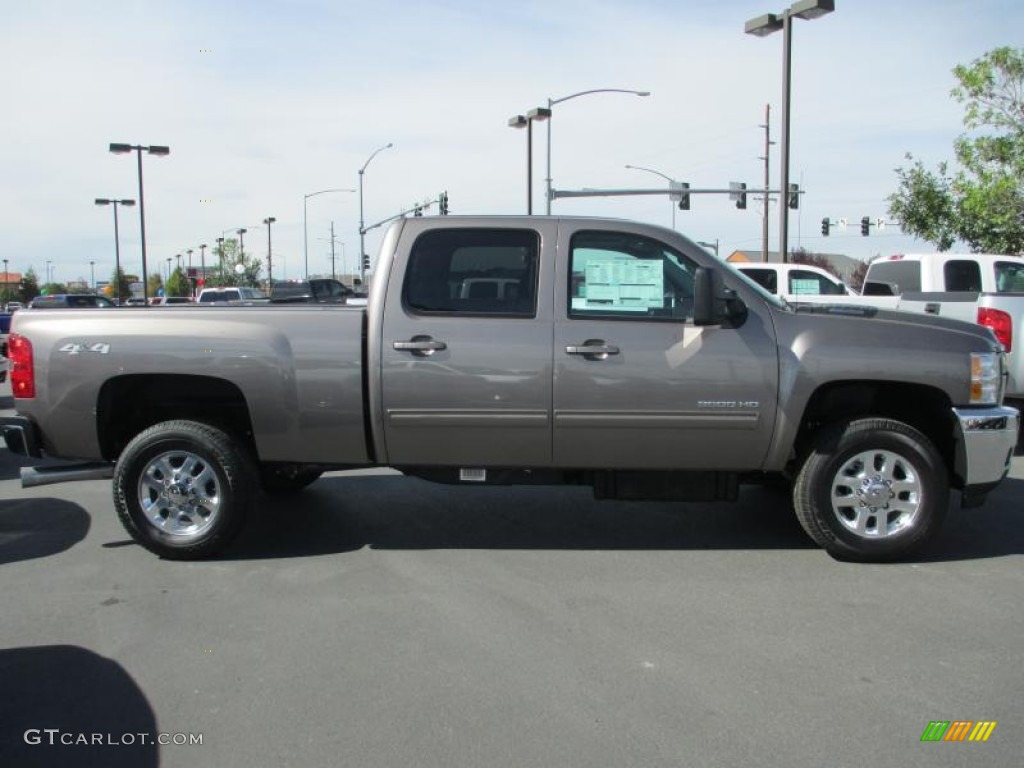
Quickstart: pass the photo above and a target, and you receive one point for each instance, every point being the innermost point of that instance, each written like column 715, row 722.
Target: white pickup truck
column 979, row 288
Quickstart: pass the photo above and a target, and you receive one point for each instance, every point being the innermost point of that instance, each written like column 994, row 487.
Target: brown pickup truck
column 523, row 350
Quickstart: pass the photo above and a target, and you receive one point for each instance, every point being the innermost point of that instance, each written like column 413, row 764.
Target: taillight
column 1001, row 324
column 23, row 371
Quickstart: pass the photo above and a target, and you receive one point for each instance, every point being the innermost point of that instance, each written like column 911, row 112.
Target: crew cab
column 605, row 353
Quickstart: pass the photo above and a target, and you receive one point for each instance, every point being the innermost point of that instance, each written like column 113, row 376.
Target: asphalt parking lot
column 384, row 621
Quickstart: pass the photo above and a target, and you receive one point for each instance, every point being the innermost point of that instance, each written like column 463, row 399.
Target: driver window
column 627, row 276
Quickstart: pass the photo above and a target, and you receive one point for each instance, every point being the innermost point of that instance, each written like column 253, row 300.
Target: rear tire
column 871, row 490
column 182, row 489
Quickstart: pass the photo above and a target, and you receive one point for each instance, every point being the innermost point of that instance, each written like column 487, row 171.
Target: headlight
column 986, row 378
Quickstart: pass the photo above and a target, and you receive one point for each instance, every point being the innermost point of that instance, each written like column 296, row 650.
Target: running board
column 33, row 476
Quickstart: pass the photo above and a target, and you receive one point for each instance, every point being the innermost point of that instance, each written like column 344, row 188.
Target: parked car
column 70, row 301
column 320, row 290
column 230, row 295
column 13, row 306
column 165, row 301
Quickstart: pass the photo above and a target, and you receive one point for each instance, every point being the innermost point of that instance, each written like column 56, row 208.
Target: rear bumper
column 986, row 438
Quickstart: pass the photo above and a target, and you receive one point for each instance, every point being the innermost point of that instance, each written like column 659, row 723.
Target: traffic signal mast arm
column 416, row 210
column 738, row 192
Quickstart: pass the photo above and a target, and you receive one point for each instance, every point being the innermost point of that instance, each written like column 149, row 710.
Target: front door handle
column 593, row 349
column 421, row 346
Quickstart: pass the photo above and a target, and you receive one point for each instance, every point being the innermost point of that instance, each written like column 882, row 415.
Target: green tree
column 178, row 284
column 981, row 202
column 51, row 288
column 29, row 287
column 234, row 267
column 156, row 283
column 121, row 287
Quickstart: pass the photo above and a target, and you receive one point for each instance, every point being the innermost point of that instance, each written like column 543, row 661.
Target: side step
column 33, row 476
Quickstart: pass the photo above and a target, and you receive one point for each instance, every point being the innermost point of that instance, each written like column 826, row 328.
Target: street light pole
column 92, row 275
column 362, row 221
column 120, row 149
column 552, row 102
column 761, row 27
column 669, row 179
column 526, row 121
column 270, row 258
column 305, row 227
column 117, row 241
column 202, row 263
column 220, row 257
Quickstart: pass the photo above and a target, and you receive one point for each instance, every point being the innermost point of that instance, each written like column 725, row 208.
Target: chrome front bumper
column 986, row 438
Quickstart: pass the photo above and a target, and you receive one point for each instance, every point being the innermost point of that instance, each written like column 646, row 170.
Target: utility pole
column 333, row 275
column 767, row 151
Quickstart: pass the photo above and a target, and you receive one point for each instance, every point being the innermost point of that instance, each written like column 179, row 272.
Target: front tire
column 182, row 488
column 872, row 490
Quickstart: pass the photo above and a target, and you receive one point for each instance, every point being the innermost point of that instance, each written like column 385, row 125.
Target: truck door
column 637, row 385
column 466, row 357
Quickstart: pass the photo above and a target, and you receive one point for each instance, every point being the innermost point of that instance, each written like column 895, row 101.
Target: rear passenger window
column 962, row 276
column 474, row 271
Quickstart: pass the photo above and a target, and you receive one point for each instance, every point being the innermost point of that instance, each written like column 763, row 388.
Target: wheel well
column 924, row 408
column 129, row 404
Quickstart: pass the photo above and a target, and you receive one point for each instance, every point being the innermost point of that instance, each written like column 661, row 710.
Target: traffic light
column 366, row 261
column 865, row 225
column 824, row 226
column 794, row 196
column 738, row 194
column 443, row 203
column 684, row 196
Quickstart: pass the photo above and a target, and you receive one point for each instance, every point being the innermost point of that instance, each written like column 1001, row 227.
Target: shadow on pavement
column 31, row 528
column 993, row 530
column 340, row 514
column 74, row 691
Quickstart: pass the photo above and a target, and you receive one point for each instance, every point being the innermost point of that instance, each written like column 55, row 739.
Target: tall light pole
column 270, row 259
column 168, row 275
column 305, row 227
column 220, row 256
column 362, row 222
column 667, row 178
column 552, row 102
column 526, row 121
column 7, row 283
column 92, row 275
column 117, row 240
column 202, row 263
column 761, row 27
column 48, row 263
column 120, row 149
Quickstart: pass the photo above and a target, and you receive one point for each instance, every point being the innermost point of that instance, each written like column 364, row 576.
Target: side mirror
column 713, row 303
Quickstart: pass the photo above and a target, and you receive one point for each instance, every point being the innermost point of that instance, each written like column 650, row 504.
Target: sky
column 265, row 103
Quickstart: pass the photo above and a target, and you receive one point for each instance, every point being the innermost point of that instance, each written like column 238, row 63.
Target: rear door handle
column 421, row 346
column 593, row 349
